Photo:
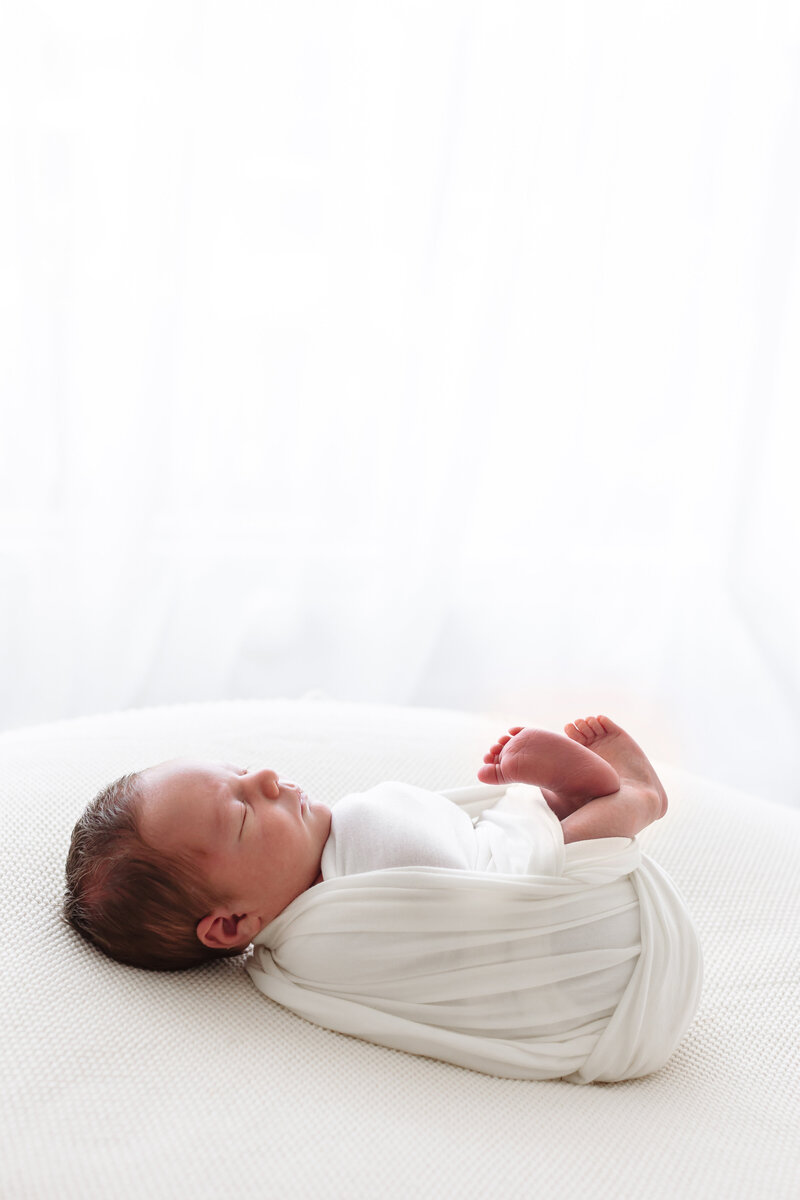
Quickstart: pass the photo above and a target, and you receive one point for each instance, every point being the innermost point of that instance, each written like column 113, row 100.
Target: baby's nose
column 266, row 781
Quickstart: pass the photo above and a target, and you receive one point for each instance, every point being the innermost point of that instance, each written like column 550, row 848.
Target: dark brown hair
column 137, row 905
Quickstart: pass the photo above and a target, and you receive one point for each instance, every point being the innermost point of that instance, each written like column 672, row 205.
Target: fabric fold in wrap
column 589, row 974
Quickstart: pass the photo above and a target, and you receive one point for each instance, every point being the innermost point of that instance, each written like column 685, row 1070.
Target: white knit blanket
column 122, row 1083
column 589, row 970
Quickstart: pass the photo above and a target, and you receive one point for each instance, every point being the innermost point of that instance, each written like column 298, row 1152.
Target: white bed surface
column 118, row 1082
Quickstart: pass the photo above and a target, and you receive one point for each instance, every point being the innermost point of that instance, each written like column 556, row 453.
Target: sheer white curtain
column 428, row 353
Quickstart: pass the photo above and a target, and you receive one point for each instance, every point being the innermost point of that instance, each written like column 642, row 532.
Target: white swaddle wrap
column 509, row 953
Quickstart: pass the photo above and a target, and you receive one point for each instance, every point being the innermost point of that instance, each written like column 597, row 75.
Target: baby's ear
column 223, row 930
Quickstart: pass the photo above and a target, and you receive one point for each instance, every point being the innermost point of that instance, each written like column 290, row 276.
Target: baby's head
column 187, row 861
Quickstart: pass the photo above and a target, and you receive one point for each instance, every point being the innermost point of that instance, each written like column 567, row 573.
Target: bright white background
column 439, row 354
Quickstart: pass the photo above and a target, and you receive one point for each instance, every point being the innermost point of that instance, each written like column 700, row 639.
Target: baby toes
column 498, row 746
column 607, row 725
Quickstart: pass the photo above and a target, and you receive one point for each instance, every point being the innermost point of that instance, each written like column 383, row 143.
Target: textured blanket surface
column 124, row 1083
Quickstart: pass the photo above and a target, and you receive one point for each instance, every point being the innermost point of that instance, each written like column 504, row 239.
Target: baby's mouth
column 298, row 791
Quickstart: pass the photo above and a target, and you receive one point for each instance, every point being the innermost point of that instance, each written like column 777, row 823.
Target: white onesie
column 400, row 825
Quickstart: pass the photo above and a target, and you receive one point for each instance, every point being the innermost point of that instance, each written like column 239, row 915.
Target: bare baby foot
column 603, row 737
column 567, row 774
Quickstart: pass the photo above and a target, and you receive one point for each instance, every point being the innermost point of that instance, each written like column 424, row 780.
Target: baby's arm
column 624, row 813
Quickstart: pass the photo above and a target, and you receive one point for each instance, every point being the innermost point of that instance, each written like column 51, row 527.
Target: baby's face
column 253, row 836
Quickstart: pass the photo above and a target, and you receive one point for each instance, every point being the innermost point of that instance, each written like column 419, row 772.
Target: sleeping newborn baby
column 511, row 943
